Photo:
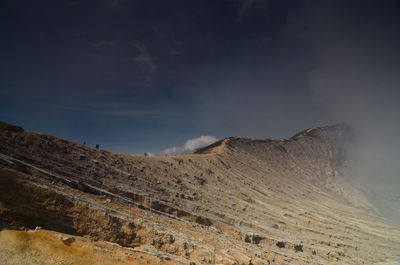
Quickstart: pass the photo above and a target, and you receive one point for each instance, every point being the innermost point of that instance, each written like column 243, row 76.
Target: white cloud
column 190, row 145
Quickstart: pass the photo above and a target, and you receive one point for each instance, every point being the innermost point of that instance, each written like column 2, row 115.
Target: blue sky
column 142, row 76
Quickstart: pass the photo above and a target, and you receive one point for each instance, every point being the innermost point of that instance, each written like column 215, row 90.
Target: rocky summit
column 238, row 202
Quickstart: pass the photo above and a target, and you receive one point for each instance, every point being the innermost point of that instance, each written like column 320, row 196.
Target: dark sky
column 145, row 75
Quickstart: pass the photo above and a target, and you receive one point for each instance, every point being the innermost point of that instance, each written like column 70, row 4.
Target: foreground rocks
column 239, row 201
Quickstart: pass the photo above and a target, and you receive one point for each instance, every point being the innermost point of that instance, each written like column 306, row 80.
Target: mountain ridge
column 249, row 202
column 339, row 129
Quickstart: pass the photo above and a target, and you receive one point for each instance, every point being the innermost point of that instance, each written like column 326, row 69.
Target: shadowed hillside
column 238, row 201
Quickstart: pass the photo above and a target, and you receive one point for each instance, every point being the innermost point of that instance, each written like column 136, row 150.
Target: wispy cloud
column 113, row 3
column 190, row 145
column 246, row 5
column 170, row 42
column 143, row 58
column 132, row 113
column 123, row 112
column 104, row 45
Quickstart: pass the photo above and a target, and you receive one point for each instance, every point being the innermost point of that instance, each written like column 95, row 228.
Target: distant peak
column 212, row 148
column 331, row 131
column 339, row 128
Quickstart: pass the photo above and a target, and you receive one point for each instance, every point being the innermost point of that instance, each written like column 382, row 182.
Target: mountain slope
column 238, row 201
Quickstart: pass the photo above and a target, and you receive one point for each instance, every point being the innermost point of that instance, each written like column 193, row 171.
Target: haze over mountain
column 175, row 80
column 146, row 76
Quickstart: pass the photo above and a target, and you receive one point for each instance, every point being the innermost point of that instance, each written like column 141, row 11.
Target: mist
column 257, row 69
column 356, row 79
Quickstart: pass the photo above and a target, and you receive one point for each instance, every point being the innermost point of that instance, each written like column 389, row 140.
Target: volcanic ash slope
column 238, row 201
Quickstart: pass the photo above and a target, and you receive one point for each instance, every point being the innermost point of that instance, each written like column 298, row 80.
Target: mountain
column 238, row 201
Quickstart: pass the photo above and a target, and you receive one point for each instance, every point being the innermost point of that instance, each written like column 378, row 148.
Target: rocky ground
column 239, row 201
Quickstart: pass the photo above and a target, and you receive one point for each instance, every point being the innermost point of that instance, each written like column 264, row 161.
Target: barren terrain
column 238, row 201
